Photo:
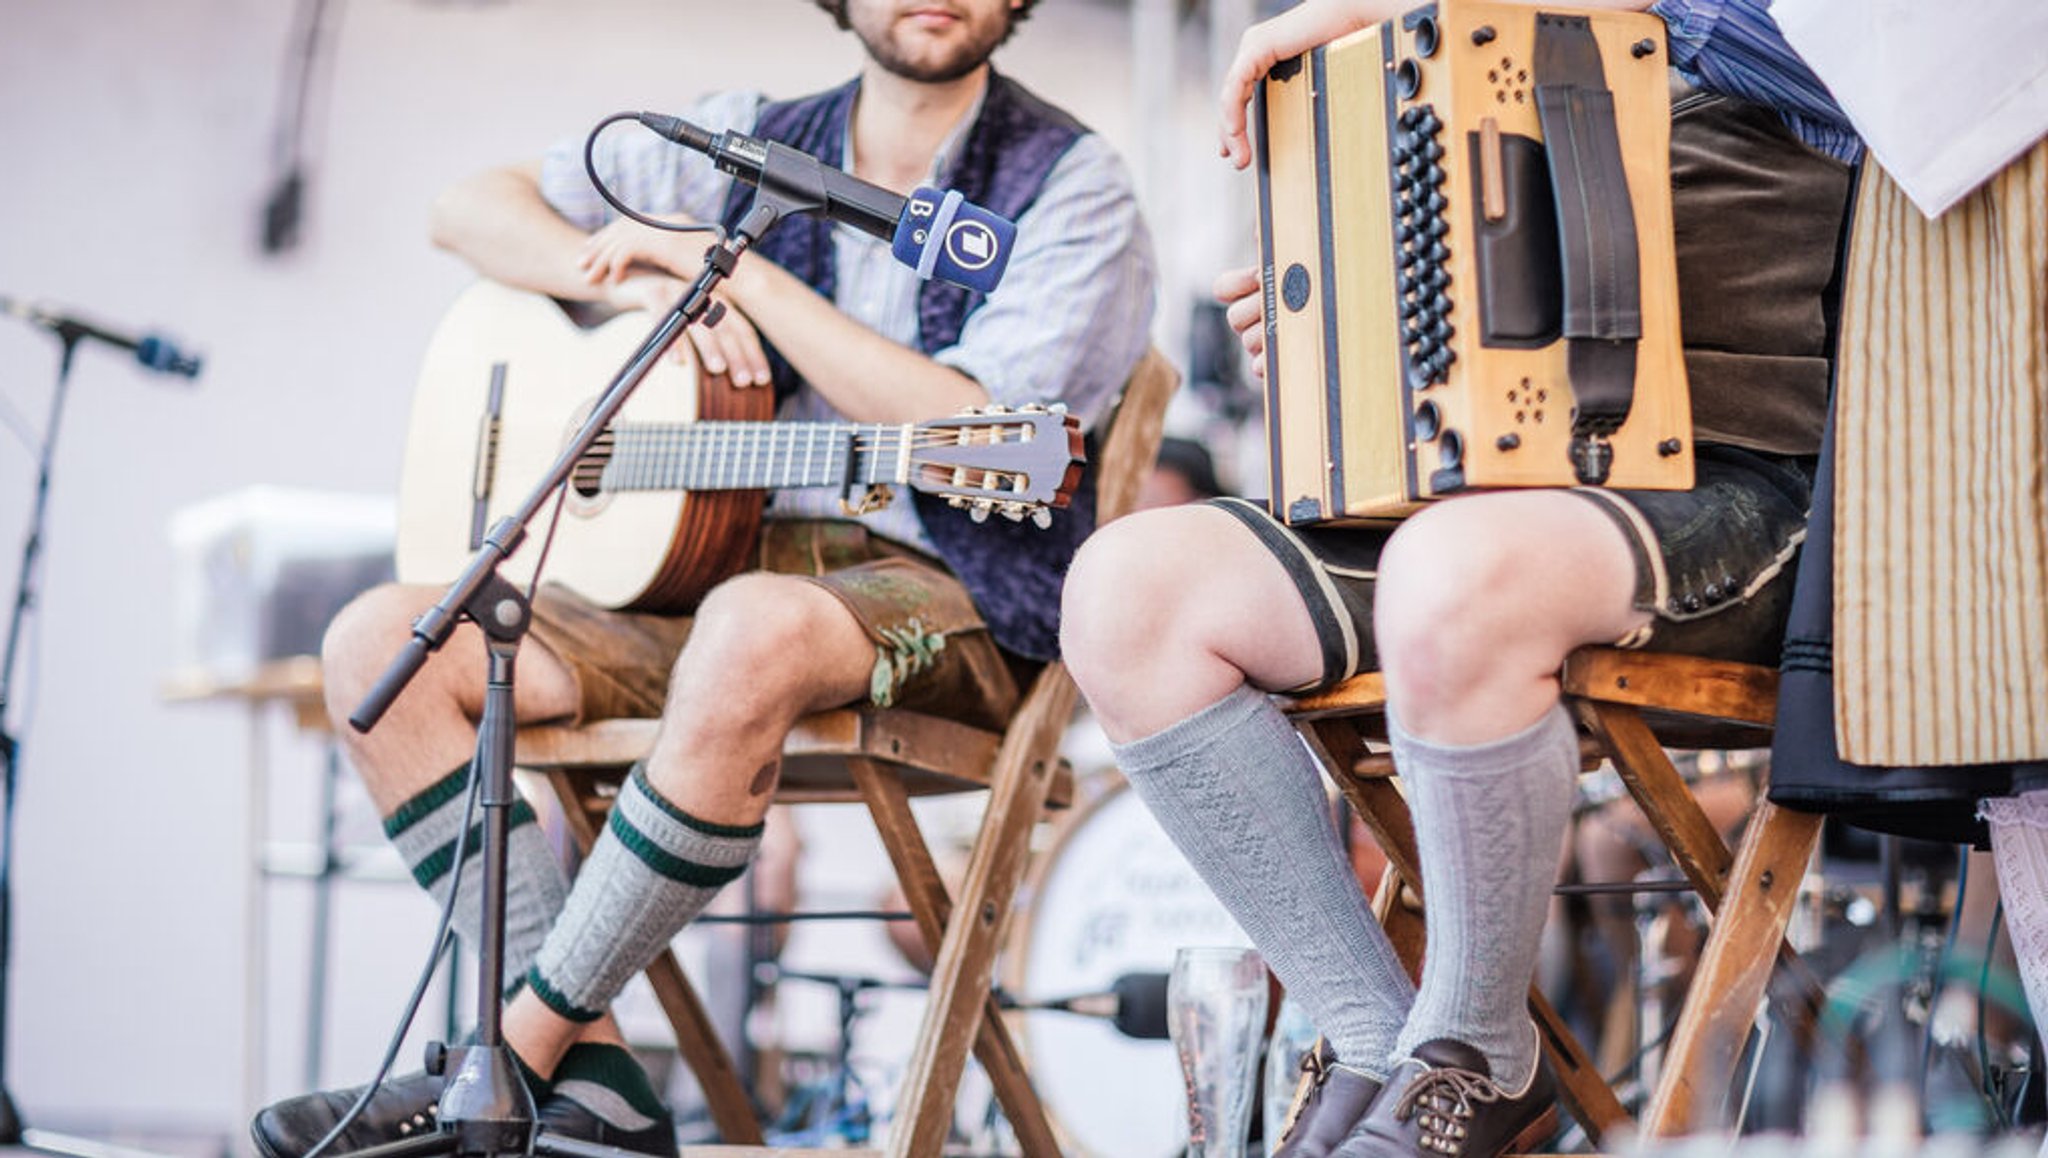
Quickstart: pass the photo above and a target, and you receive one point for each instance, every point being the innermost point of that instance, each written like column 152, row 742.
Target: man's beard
column 967, row 56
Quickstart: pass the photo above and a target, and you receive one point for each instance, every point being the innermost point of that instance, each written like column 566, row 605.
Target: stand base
column 447, row 1141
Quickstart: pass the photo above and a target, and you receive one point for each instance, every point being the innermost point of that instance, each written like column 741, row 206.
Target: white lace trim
column 2027, row 810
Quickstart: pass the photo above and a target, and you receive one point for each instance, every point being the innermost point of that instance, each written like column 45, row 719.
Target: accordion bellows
column 1466, row 247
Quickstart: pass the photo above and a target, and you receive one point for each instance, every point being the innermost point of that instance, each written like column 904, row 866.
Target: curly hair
column 837, row 10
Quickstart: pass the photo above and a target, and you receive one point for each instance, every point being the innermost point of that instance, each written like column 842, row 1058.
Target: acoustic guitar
column 669, row 500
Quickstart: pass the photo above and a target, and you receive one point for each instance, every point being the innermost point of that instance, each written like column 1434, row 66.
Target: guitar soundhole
column 586, row 478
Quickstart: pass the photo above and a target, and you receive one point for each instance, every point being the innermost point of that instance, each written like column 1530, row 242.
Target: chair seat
column 932, row 755
column 1687, row 702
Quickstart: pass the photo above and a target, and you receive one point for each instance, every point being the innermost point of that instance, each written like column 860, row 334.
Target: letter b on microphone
column 944, row 236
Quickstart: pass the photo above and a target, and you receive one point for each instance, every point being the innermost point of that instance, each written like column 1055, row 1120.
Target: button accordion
column 1466, row 250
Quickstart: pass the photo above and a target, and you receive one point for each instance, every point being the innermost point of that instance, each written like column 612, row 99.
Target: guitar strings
column 663, row 455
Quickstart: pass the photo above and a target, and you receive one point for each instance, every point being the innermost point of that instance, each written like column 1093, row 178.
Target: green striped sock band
column 429, row 869
column 606, row 1080
column 424, row 830
column 554, row 999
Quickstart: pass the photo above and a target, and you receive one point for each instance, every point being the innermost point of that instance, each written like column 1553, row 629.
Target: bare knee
column 1122, row 597
column 1445, row 605
column 1479, row 601
column 364, row 636
column 772, row 642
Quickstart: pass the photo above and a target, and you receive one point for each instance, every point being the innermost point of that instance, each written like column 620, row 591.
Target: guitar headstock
column 994, row 460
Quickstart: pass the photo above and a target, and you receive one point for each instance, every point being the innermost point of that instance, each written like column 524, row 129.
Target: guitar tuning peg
column 1032, row 408
column 1041, row 518
column 995, row 408
column 1014, row 512
column 1058, row 408
column 957, row 502
column 969, row 411
column 979, row 511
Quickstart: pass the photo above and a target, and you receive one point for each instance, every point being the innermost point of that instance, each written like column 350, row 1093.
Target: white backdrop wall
column 138, row 138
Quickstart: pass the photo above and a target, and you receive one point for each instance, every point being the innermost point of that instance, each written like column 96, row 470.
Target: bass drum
column 1110, row 896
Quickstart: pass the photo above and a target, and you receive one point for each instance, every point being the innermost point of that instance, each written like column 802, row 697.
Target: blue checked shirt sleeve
column 1734, row 47
column 650, row 174
column 1073, row 313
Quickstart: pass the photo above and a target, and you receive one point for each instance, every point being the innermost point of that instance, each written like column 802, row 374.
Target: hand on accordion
column 1239, row 291
column 1269, row 42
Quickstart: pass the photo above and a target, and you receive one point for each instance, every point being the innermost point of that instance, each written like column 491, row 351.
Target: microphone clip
column 791, row 182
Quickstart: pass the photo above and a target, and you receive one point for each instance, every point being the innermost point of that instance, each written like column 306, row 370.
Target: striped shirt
column 1734, row 47
column 1069, row 322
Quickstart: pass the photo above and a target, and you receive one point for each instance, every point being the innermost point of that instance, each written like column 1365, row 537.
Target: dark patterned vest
column 1013, row 570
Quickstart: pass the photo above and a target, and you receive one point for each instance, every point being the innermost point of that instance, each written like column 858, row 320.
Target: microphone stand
column 12, row 1130
column 485, row 1108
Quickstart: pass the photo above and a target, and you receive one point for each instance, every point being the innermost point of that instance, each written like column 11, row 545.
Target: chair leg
column 1667, row 802
column 1401, row 918
column 1719, row 1005
column 961, row 1003
column 1728, row 985
column 732, row 1111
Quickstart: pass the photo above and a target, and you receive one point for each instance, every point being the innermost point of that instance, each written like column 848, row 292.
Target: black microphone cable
column 611, row 199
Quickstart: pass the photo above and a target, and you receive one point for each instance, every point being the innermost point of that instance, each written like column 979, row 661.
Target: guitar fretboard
column 758, row 455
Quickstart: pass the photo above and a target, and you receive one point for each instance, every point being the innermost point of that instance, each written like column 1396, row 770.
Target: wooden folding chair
column 1630, row 706
column 882, row 757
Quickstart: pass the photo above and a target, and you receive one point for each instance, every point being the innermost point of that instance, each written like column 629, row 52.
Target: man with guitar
column 1179, row 622
column 906, row 605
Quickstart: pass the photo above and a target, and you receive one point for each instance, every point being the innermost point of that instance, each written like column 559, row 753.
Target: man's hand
column 649, row 269
column 1245, row 308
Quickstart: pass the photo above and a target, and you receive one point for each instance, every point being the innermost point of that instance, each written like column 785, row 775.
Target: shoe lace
column 1442, row 1102
column 1317, row 1071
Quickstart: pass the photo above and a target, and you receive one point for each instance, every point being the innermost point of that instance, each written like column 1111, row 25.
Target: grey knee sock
column 424, row 829
column 1237, row 791
column 1489, row 826
column 653, row 869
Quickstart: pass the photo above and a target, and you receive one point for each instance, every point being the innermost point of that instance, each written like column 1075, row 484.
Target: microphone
column 939, row 234
column 1135, row 1004
column 154, row 351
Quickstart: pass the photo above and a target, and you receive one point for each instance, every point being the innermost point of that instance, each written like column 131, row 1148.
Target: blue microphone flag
column 942, row 235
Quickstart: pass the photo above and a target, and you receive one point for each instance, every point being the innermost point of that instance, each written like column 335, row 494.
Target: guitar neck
column 710, row 456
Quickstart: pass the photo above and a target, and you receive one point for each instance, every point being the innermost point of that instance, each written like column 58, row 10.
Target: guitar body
column 473, row 452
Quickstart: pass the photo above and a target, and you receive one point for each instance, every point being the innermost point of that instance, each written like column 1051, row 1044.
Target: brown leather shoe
column 1324, row 1113
column 1442, row 1101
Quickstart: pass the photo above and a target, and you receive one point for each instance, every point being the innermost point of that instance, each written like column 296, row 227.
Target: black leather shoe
column 1335, row 1099
column 1442, row 1101
column 566, row 1113
column 403, row 1107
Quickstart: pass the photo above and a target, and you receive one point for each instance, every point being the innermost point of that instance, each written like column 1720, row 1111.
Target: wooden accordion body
column 1466, row 247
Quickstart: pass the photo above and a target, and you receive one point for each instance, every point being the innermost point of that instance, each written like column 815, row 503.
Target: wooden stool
column 1630, row 705
column 882, row 757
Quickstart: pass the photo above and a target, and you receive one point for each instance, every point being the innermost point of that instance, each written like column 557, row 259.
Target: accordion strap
column 1603, row 317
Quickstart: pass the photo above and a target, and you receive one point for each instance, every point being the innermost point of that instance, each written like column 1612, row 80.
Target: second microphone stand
column 485, row 1108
